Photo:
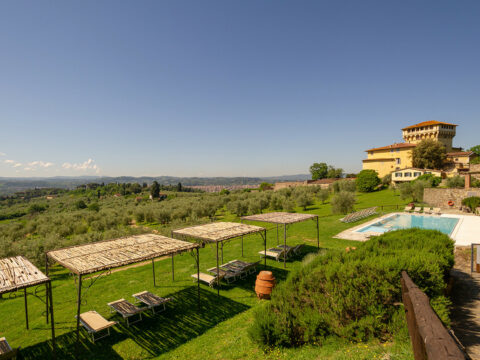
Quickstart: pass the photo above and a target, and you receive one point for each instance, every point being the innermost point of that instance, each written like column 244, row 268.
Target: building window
column 398, row 150
column 398, row 174
column 398, row 161
column 415, row 174
column 408, row 174
column 391, row 150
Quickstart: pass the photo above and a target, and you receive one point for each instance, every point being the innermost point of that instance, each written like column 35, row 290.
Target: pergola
column 283, row 218
column 220, row 232
column 17, row 273
column 105, row 255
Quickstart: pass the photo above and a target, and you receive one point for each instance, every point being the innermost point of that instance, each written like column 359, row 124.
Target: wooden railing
column 430, row 339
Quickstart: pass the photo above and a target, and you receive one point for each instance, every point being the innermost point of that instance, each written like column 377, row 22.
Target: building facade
column 388, row 159
column 410, row 174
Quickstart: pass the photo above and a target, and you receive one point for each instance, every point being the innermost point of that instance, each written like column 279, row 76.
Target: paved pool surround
column 466, row 232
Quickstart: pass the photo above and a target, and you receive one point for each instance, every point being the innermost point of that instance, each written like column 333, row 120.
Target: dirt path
column 466, row 303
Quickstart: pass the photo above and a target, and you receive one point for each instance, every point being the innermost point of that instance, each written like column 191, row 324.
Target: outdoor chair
column 408, row 209
column 428, row 210
column 151, row 300
column 6, row 351
column 437, row 211
column 94, row 323
column 228, row 274
column 127, row 310
column 275, row 253
column 209, row 279
column 417, row 210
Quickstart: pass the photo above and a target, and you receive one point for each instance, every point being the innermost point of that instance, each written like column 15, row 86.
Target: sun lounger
column 229, row 274
column 127, row 310
column 248, row 267
column 359, row 215
column 428, row 210
column 275, row 253
column 6, row 351
column 408, row 208
column 417, row 210
column 437, row 211
column 209, row 279
column 93, row 322
column 151, row 300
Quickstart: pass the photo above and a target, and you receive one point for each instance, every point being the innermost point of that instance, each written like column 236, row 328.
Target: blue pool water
column 404, row 221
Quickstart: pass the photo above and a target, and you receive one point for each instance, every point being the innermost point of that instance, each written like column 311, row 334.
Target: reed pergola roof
column 18, row 273
column 280, row 217
column 219, row 231
column 103, row 255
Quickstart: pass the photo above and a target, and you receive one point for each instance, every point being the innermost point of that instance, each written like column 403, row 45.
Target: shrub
column 303, row 200
column 475, row 182
column 352, row 295
column 36, row 208
column 472, row 202
column 433, row 181
column 456, row 182
column 276, row 202
column 80, row 204
column 342, row 203
column 367, row 180
column 387, row 180
column 94, row 207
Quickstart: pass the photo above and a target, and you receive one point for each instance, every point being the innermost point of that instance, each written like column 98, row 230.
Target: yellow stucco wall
column 385, row 161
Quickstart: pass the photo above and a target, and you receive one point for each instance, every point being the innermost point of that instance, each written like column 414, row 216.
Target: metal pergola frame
column 262, row 231
column 48, row 297
column 104, row 269
column 278, row 221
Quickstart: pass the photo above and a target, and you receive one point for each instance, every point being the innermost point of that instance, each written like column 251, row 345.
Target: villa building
column 392, row 158
column 410, row 174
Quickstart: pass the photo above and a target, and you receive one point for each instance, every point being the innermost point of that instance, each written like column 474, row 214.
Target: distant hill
column 9, row 185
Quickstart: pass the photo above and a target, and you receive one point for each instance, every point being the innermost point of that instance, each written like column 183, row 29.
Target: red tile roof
column 461, row 153
column 427, row 123
column 394, row 146
column 379, row 159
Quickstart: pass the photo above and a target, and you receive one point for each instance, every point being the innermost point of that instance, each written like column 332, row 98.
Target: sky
column 228, row 88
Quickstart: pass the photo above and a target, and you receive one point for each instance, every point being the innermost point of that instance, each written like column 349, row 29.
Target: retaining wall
column 440, row 197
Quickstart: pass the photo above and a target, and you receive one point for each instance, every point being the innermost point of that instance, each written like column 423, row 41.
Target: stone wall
column 440, row 197
column 475, row 168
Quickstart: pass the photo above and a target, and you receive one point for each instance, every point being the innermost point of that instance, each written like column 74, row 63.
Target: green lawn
column 218, row 330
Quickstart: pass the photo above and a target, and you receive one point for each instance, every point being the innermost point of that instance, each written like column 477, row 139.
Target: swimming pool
column 406, row 221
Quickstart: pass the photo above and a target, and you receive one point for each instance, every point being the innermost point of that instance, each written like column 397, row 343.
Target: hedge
column 353, row 295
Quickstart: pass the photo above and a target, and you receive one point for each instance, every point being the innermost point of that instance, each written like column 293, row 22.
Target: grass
column 218, row 330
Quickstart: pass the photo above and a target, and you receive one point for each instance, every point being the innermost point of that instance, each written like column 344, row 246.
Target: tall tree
column 334, row 173
column 476, row 150
column 155, row 190
column 429, row 154
column 319, row 171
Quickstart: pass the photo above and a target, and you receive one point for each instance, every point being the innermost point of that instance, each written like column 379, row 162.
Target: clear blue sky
column 226, row 88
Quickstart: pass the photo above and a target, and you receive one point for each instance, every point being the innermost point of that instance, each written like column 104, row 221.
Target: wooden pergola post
column 26, row 306
column 79, row 303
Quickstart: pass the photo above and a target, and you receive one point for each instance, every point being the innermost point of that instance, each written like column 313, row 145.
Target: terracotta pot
column 264, row 284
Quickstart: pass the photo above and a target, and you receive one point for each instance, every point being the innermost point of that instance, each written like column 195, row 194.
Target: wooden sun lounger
column 407, row 209
column 151, row 300
column 93, row 322
column 275, row 253
column 248, row 268
column 127, row 310
column 359, row 215
column 6, row 351
column 427, row 210
column 437, row 211
column 228, row 274
column 209, row 279
column 417, row 210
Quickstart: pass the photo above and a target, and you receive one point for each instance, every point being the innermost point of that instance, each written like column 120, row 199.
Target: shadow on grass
column 155, row 334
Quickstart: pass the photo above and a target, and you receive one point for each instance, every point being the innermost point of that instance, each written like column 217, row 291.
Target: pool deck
column 467, row 230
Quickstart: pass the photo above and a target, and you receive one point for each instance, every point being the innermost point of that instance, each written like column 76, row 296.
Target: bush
column 473, row 202
column 80, row 204
column 387, row 180
column 413, row 190
column 456, row 182
column 36, row 208
column 352, row 295
column 475, row 183
column 94, row 207
column 432, row 180
column 342, row 203
column 367, row 180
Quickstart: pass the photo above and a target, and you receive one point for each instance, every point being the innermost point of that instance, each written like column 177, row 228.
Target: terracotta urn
column 264, row 284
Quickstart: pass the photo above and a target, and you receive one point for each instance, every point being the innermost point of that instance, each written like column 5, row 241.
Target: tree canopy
column 476, row 150
column 319, row 171
column 429, row 154
column 367, row 180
